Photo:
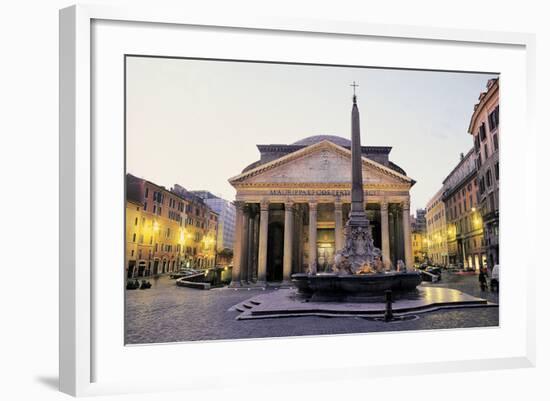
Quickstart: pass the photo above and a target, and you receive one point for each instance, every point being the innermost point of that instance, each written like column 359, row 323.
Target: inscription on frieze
column 320, row 192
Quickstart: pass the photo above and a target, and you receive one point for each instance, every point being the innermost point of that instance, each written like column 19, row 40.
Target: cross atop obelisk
column 354, row 85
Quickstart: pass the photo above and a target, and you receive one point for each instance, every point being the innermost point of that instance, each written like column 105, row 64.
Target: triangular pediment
column 322, row 162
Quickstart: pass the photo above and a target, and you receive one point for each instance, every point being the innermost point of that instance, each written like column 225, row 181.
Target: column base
column 257, row 284
column 235, row 284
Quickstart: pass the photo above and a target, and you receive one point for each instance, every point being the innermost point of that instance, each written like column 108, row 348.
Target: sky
column 197, row 122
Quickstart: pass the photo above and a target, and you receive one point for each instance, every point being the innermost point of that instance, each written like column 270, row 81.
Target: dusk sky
column 197, row 123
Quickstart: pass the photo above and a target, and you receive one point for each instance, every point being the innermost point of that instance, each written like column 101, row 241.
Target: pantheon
column 293, row 203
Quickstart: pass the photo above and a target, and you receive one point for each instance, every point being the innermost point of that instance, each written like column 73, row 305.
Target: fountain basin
column 333, row 285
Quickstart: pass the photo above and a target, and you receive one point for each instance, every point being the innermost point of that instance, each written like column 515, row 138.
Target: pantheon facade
column 293, row 203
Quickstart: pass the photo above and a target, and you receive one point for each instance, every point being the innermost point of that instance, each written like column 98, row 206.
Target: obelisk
column 358, row 254
column 357, row 216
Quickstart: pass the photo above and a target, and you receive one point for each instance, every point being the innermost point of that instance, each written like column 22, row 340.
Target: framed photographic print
column 301, row 185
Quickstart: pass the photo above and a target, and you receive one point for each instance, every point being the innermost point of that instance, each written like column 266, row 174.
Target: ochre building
column 464, row 223
column 166, row 231
column 484, row 128
column 436, row 230
column 293, row 203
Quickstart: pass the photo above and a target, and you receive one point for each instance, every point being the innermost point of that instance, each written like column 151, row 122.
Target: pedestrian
column 482, row 279
column 495, row 278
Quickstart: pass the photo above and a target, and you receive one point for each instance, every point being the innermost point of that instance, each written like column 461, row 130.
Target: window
column 146, row 192
column 496, row 171
column 485, row 151
column 489, row 178
column 134, row 238
column 493, row 119
column 482, row 185
column 495, row 142
column 136, row 222
column 145, row 206
column 476, row 143
column 482, row 135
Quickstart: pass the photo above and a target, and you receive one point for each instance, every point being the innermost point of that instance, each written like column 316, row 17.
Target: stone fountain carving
column 359, row 255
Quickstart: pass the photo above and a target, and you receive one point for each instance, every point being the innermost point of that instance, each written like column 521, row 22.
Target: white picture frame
column 83, row 351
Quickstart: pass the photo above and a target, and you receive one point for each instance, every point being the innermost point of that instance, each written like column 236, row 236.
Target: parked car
column 428, row 276
column 452, row 267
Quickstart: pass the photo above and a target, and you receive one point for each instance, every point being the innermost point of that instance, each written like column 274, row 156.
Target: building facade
column 226, row 223
column 419, row 221
column 436, row 230
column 419, row 237
column 419, row 247
column 201, row 230
column 163, row 233
column 293, row 202
column 464, row 222
column 154, row 228
column 484, row 128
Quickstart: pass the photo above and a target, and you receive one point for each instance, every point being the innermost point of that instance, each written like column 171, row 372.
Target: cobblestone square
column 168, row 313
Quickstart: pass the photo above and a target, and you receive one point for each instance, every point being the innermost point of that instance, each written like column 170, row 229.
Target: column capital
column 338, row 204
column 242, row 206
column 289, row 204
column 406, row 204
column 264, row 205
column 384, row 206
column 312, row 206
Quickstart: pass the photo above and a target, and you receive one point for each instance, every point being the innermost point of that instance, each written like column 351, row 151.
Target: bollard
column 389, row 313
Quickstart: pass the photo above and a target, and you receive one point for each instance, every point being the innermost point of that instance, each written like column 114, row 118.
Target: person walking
column 495, row 278
column 482, row 279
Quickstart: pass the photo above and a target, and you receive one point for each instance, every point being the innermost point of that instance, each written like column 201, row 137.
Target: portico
column 291, row 211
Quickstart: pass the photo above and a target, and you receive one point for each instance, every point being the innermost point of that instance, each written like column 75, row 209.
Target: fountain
column 358, row 267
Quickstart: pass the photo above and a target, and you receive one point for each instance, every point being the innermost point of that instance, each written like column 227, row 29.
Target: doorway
column 275, row 241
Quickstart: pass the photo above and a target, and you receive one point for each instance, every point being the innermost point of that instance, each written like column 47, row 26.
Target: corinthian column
column 287, row 251
column 338, row 229
column 313, row 238
column 245, row 260
column 262, row 251
column 237, row 246
column 385, row 234
column 407, row 234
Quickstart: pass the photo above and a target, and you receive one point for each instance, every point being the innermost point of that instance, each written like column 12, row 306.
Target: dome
column 310, row 140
